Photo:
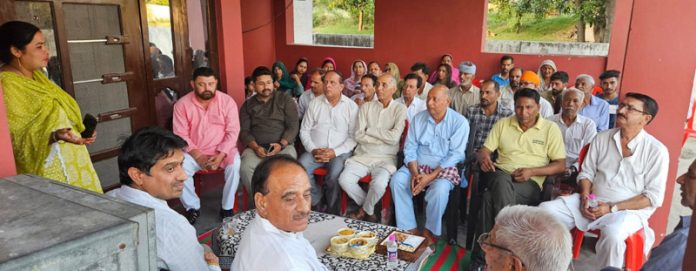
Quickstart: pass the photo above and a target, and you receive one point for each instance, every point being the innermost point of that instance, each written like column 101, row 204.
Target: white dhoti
column 614, row 228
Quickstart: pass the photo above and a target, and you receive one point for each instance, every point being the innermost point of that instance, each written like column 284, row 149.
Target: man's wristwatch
column 614, row 208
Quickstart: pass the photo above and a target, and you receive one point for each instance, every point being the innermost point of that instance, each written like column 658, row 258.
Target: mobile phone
column 90, row 123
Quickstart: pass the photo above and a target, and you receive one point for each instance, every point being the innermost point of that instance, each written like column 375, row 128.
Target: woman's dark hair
column 302, row 59
column 448, row 77
column 527, row 93
column 259, row 181
column 649, row 104
column 144, row 148
column 15, row 34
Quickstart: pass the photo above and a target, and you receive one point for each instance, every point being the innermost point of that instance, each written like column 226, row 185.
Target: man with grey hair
column 380, row 125
column 327, row 135
column 526, row 238
column 466, row 94
column 594, row 107
column 577, row 132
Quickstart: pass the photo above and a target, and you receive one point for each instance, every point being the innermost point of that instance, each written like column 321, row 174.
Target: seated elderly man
column 526, row 238
column 529, row 149
column 595, row 108
column 273, row 240
column 327, row 135
column 465, row 95
column 380, row 125
column 151, row 172
column 531, row 80
column 435, row 143
column 577, row 132
column 626, row 168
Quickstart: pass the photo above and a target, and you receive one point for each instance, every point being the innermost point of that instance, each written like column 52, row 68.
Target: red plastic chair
column 198, row 184
column 633, row 257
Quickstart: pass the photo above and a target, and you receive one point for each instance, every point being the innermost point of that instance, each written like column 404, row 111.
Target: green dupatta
column 33, row 114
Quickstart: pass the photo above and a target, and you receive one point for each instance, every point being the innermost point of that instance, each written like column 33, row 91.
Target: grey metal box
column 47, row 225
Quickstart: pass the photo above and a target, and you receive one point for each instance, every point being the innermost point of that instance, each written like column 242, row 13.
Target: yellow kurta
column 36, row 108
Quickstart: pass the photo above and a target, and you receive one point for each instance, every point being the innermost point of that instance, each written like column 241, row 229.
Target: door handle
column 116, row 77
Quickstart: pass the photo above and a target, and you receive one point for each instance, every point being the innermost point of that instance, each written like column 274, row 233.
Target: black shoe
column 226, row 213
column 192, row 215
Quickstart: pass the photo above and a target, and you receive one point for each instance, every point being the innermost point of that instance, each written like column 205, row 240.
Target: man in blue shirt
column 670, row 253
column 435, row 143
column 506, row 65
column 593, row 107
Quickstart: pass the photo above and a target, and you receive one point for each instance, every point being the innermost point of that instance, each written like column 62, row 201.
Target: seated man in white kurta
column 273, row 240
column 151, row 172
column 380, row 125
column 626, row 168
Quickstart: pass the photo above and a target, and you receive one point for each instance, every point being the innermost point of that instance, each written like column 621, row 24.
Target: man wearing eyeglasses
column 626, row 168
column 526, row 238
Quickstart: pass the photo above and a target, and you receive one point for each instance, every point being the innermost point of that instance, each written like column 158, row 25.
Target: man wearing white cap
column 466, row 94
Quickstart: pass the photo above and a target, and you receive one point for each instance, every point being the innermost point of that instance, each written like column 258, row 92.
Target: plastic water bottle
column 392, row 252
column 592, row 201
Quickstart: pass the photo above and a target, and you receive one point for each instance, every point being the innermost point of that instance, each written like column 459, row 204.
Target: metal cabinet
column 46, row 225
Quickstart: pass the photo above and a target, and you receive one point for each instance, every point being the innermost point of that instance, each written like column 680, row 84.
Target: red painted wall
column 7, row 163
column 258, row 24
column 410, row 31
column 231, row 51
column 660, row 61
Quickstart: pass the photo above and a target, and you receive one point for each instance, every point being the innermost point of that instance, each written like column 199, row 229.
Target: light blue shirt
column 598, row 111
column 437, row 144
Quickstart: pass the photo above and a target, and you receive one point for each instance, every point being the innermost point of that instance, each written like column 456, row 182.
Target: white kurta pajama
column 265, row 247
column 378, row 134
column 615, row 178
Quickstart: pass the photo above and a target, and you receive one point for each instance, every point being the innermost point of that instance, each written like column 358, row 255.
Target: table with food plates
column 322, row 227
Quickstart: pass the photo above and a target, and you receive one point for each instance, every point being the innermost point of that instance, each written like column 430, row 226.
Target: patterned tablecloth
column 319, row 231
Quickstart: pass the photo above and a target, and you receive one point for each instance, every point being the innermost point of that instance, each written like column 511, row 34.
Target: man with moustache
column 274, row 240
column 435, row 143
column 367, row 84
column 484, row 115
column 380, row 125
column 150, row 170
column 208, row 120
column 327, row 134
column 507, row 63
column 414, row 105
column 577, row 132
column 269, row 124
column 531, row 80
column 559, row 80
column 529, row 148
column 317, row 89
column 466, row 94
column 508, row 92
column 626, row 168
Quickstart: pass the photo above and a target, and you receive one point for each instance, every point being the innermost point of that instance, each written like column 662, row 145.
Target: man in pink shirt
column 209, row 122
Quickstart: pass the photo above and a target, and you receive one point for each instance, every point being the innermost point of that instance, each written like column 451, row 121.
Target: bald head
column 438, row 101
